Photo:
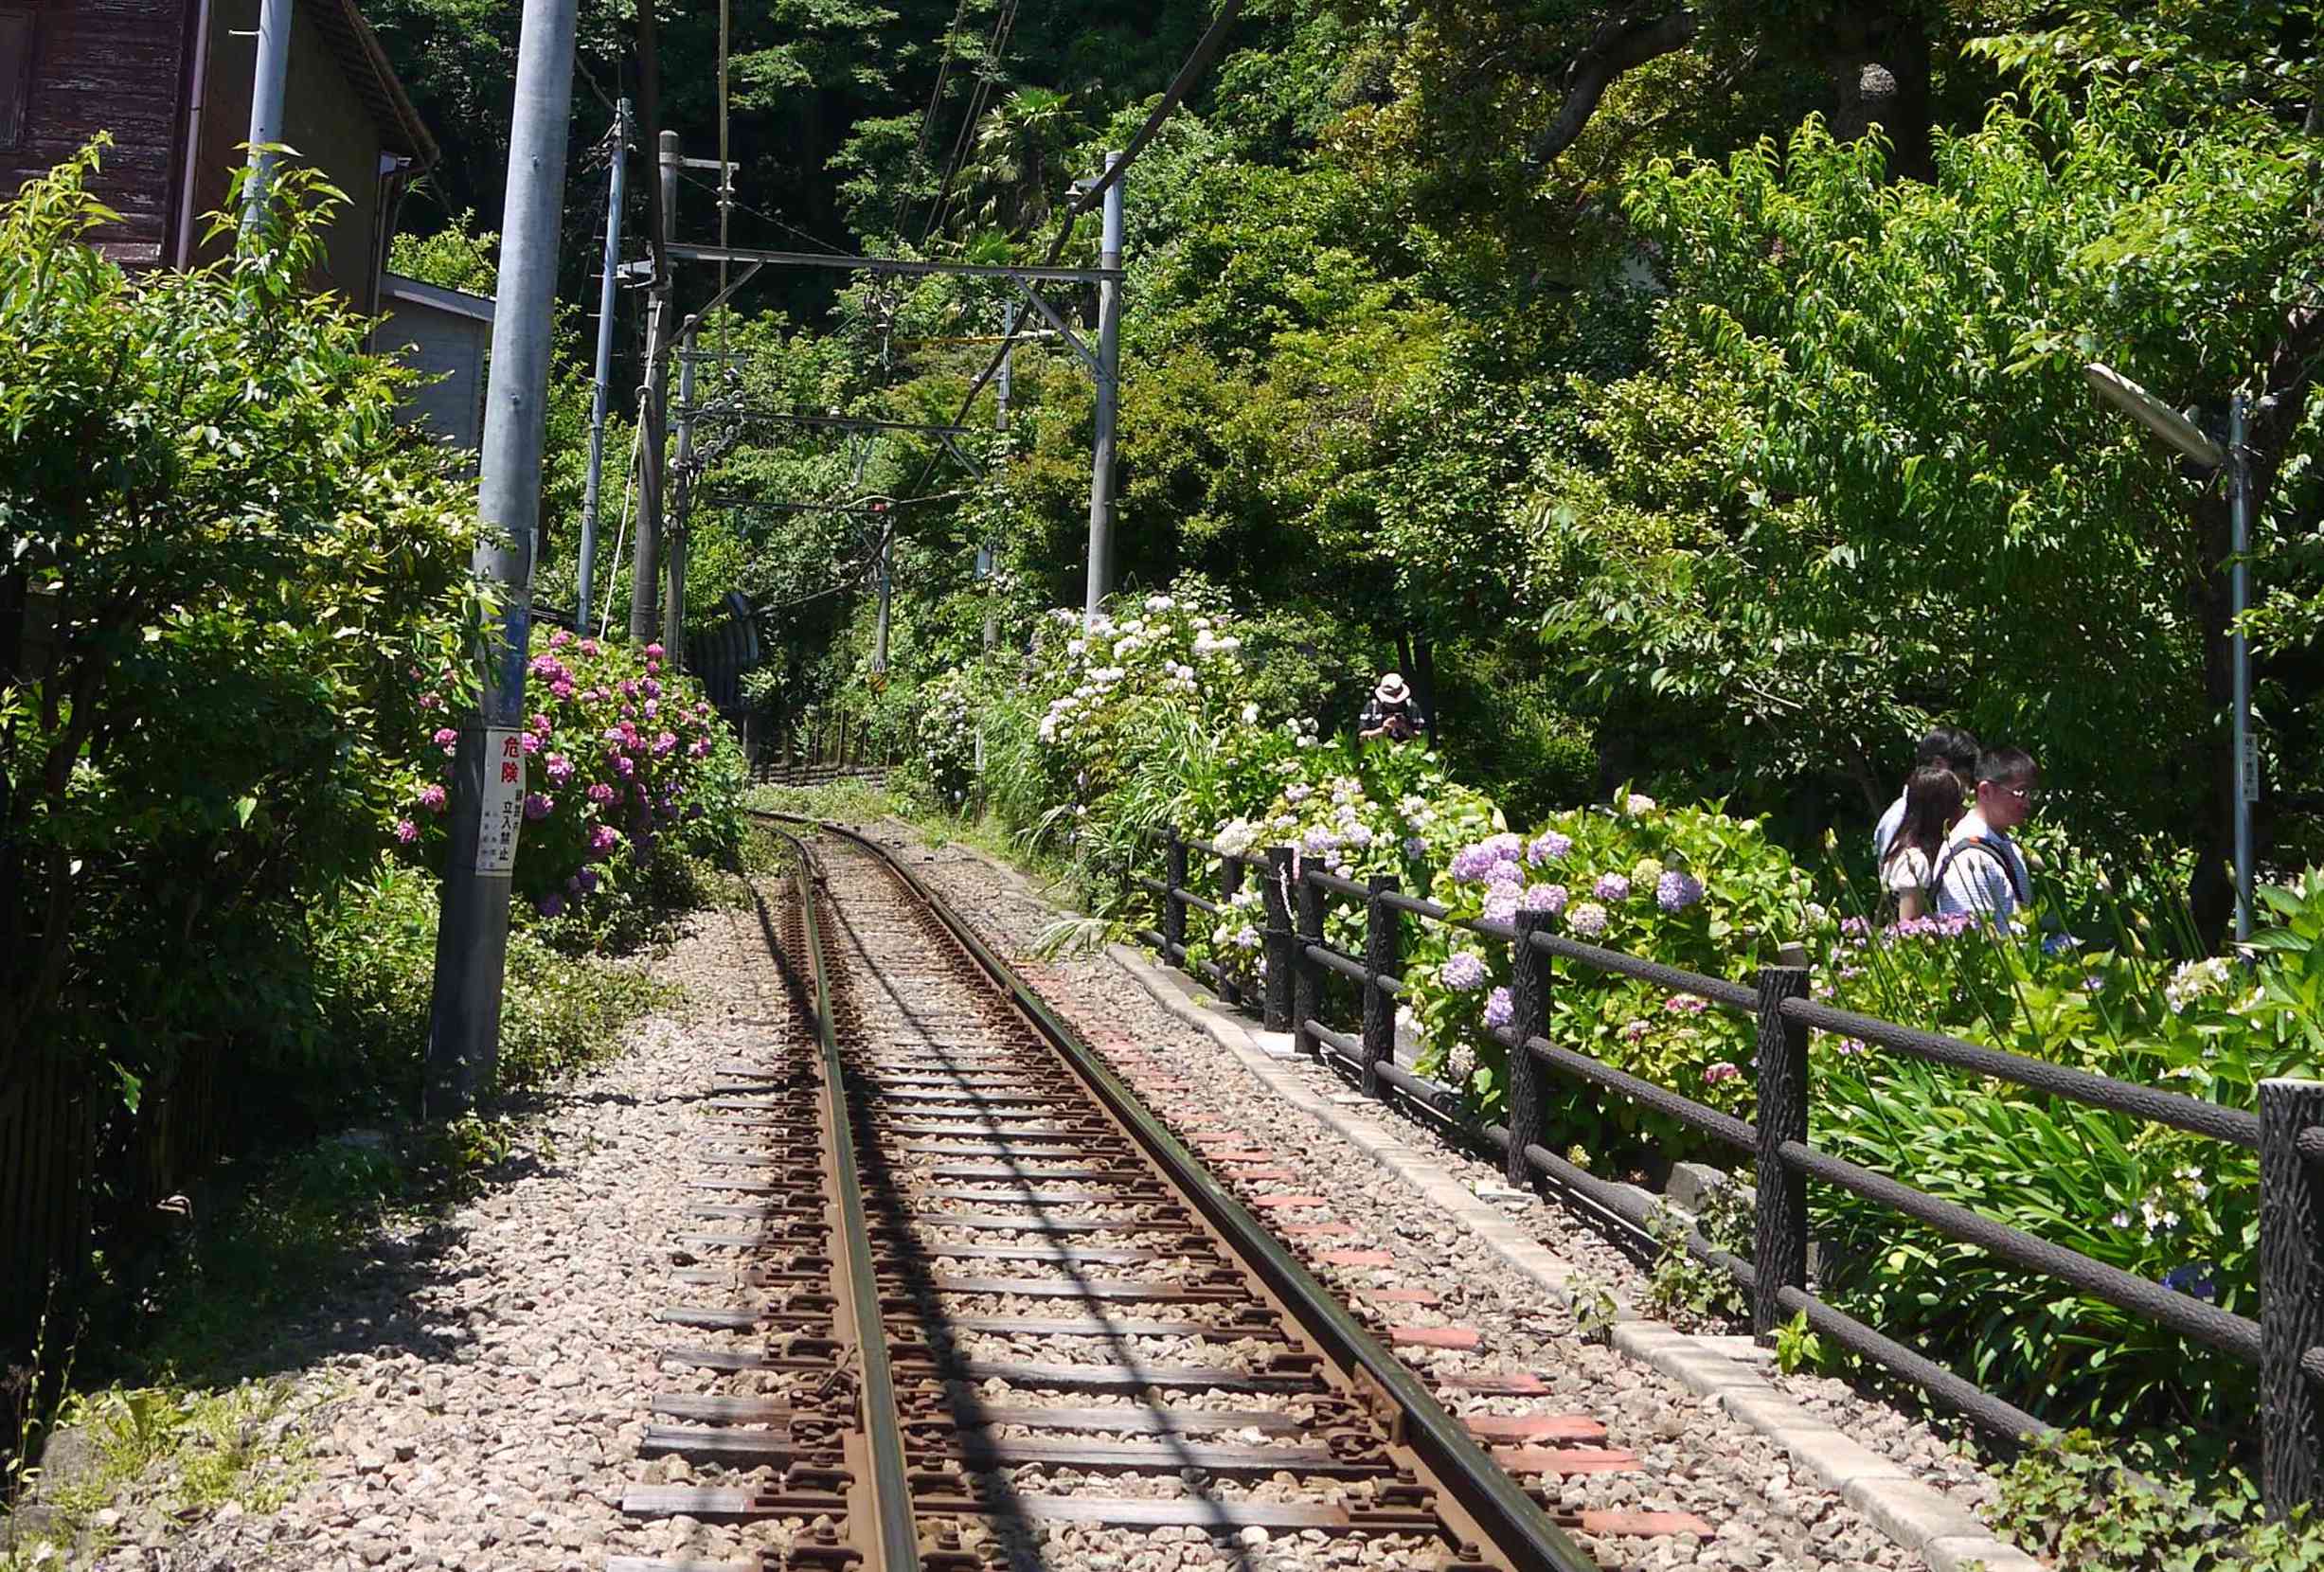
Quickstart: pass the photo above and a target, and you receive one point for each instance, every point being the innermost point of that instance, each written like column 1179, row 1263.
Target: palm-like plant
column 1017, row 148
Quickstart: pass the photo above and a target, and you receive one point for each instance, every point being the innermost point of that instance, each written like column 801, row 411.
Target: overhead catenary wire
column 1206, row 50
column 927, row 116
column 978, row 96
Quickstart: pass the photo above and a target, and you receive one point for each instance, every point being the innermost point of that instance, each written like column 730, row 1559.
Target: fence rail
column 2286, row 1343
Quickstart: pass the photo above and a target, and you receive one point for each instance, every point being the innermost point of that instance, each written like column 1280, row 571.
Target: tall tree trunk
column 1876, row 61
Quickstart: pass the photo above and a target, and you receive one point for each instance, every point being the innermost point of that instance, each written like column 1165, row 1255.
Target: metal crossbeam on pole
column 472, row 941
column 902, row 266
column 1059, row 326
column 834, row 422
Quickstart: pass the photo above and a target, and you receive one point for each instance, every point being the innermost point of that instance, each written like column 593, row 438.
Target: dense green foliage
column 242, row 557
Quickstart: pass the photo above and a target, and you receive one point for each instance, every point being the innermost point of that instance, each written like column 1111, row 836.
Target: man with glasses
column 1980, row 871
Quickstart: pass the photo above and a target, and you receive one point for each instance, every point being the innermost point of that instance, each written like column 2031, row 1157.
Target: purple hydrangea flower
column 1474, row 864
column 601, row 838
column 1318, row 840
column 446, row 737
column 1464, row 971
column 601, row 793
column 406, row 831
column 1542, row 898
column 537, row 806
column 624, row 766
column 1588, row 920
column 1713, row 1074
column 1675, row 891
column 560, row 769
column 1501, row 899
column 1499, row 1009
column 1612, row 888
column 587, row 879
column 432, row 799
column 551, row 904
column 1686, row 1004
column 665, row 743
column 1548, row 847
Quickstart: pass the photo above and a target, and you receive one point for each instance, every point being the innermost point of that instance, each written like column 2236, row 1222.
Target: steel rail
column 891, row 1488
column 1511, row 1523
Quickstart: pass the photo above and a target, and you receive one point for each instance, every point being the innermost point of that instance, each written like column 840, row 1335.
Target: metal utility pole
column 987, row 557
column 273, row 69
column 2190, row 440
column 879, row 634
column 606, row 299
column 646, row 564
column 1108, row 367
column 488, row 791
column 2239, row 597
column 673, row 605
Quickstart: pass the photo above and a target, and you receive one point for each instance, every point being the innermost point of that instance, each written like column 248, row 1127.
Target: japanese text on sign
column 504, row 801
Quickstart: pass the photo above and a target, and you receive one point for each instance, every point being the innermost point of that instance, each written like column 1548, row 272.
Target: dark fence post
column 1174, row 884
column 1274, row 891
column 2291, row 1293
column 1528, row 1078
column 1779, row 1252
column 1230, row 885
column 1382, row 936
column 1306, row 976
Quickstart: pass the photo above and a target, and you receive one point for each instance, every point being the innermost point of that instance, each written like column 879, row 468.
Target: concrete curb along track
column 996, row 1254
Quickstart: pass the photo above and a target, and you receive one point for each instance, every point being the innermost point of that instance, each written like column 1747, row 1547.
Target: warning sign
column 504, row 801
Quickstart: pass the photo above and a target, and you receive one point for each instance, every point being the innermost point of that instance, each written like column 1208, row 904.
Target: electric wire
column 1204, row 50
column 927, row 116
column 979, row 97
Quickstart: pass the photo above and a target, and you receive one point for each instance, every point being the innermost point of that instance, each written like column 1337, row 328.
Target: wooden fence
column 2287, row 1342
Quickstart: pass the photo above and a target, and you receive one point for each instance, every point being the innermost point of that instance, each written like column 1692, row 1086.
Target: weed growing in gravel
column 2072, row 1501
column 1596, row 1309
column 1798, row 1348
column 1684, row 1285
column 185, row 1450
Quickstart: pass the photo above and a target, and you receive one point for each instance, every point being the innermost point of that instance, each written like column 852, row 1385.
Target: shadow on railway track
column 887, row 1204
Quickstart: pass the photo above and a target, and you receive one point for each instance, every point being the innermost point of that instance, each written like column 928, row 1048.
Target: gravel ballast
column 481, row 1405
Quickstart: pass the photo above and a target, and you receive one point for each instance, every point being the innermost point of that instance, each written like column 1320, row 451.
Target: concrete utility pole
column 987, row 555
column 1109, row 368
column 645, row 566
column 488, row 791
column 673, row 605
column 273, row 71
column 606, row 299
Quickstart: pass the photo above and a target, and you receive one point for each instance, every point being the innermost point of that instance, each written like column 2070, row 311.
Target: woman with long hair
column 1932, row 808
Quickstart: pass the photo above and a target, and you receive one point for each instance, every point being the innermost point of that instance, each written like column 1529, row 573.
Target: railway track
column 956, row 1300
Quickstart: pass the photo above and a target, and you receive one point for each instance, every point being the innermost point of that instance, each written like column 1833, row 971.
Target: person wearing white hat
column 1390, row 712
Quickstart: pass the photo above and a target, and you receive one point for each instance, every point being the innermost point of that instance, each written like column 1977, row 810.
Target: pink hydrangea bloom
column 445, row 737
column 432, row 799
column 654, row 651
column 406, row 831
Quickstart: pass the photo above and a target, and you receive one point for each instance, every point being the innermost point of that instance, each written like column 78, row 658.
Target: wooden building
column 171, row 79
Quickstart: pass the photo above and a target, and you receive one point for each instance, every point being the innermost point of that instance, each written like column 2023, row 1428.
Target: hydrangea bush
column 1687, row 887
column 625, row 766
column 946, row 734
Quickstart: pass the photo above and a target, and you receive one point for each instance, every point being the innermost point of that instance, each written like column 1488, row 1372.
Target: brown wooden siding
column 119, row 66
